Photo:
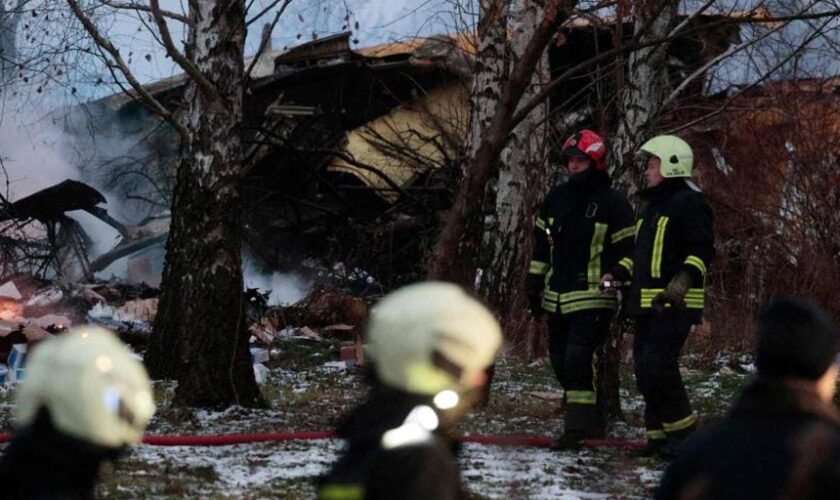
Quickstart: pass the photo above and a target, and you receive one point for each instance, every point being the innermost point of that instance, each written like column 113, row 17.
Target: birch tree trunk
column 644, row 86
column 200, row 337
column 520, row 186
column 10, row 14
column 455, row 256
column 489, row 74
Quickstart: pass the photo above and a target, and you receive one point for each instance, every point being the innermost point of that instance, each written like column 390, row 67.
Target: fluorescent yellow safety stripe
column 350, row 491
column 584, row 305
column 550, row 306
column 627, row 263
column 580, row 397
column 582, row 294
column 681, row 424
column 693, row 260
column 658, row 242
column 638, row 226
column 694, row 298
column 595, row 249
column 622, row 234
column 540, row 223
column 537, row 267
column 656, row 434
column 549, row 295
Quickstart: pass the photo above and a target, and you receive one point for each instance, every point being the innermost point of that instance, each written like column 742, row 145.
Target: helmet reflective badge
column 677, row 159
column 429, row 337
column 91, row 384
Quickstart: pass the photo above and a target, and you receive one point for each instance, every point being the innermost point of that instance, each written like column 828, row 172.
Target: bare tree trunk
column 10, row 14
column 200, row 337
column 521, row 183
column 490, row 72
column 455, row 256
column 644, row 87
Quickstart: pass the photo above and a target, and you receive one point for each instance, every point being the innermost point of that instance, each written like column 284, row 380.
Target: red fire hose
column 228, row 439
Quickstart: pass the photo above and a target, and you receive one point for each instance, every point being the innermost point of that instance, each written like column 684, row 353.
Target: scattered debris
column 548, row 396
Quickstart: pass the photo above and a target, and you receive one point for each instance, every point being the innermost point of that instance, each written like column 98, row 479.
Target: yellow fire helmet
column 92, row 385
column 674, row 153
column 430, row 337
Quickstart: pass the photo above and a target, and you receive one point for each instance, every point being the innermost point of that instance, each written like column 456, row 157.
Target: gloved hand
column 674, row 293
column 535, row 308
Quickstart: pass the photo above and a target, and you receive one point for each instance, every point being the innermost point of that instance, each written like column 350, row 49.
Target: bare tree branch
column 145, row 8
column 752, row 85
column 266, row 37
column 109, row 47
column 547, row 89
column 189, row 68
column 266, row 9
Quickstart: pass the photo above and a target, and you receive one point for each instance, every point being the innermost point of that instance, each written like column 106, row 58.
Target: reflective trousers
column 656, row 351
column 573, row 339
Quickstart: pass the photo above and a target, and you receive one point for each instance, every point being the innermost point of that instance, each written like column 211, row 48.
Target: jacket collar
column 663, row 190
column 790, row 396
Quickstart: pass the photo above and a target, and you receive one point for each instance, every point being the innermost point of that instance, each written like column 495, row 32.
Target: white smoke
column 35, row 152
column 286, row 288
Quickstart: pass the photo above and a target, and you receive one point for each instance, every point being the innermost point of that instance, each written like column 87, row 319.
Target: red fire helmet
column 587, row 143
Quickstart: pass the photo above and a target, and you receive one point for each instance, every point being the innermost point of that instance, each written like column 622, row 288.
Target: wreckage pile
column 31, row 312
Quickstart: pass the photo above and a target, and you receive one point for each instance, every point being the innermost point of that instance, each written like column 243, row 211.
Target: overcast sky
column 371, row 21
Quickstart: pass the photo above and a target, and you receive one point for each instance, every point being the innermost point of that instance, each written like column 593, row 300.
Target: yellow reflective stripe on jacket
column 585, row 305
column 656, row 434
column 658, row 243
column 580, row 397
column 595, row 249
column 622, row 234
column 681, row 424
column 697, row 262
column 627, row 263
column 538, row 267
column 349, row 491
column 638, row 226
column 581, row 300
column 694, row 298
column 540, row 223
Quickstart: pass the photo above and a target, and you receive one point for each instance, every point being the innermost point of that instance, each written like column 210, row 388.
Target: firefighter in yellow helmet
column 674, row 249
column 430, row 344
column 85, row 399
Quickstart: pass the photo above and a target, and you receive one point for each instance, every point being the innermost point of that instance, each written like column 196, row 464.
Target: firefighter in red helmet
column 583, row 229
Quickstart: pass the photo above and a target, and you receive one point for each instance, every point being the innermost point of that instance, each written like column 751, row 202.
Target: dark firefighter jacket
column 780, row 441
column 674, row 233
column 583, row 230
column 419, row 469
column 42, row 463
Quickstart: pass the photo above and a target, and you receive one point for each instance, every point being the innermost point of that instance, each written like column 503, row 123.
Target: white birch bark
column 521, row 180
column 645, row 85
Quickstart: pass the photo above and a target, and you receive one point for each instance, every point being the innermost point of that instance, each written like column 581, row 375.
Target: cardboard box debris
column 259, row 355
column 16, row 363
column 260, row 373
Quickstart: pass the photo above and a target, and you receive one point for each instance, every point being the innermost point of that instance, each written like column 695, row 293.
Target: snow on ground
column 308, row 391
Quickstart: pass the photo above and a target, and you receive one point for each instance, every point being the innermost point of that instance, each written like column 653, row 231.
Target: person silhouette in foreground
column 781, row 439
column 85, row 399
column 430, row 344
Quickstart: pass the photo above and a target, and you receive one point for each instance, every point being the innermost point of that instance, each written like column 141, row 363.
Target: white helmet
column 677, row 159
column 429, row 337
column 92, row 385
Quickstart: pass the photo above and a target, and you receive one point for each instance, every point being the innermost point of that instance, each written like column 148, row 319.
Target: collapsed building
column 352, row 154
